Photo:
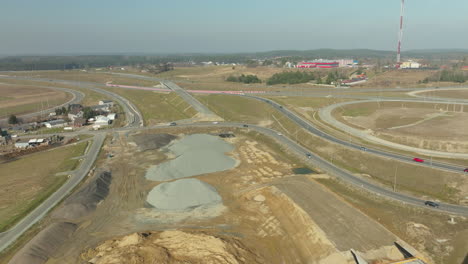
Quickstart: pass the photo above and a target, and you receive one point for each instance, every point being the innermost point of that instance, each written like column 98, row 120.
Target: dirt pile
column 86, row 200
column 152, row 141
column 183, row 194
column 45, row 244
column 172, row 247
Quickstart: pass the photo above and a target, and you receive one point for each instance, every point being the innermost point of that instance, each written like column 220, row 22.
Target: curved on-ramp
column 326, row 115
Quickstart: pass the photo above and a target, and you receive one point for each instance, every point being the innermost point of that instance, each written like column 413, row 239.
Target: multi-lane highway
column 314, row 130
column 135, row 122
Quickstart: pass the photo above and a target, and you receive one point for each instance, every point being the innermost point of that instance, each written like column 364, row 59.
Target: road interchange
column 135, row 123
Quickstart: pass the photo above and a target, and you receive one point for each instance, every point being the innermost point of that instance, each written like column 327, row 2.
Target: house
column 74, row 108
column 55, row 123
column 102, row 121
column 105, row 108
column 21, row 145
column 73, row 116
column 79, row 122
column 24, row 127
column 36, row 141
column 110, row 103
column 112, row 116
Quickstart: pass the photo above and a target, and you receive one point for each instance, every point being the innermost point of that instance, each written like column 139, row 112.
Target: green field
column 29, row 180
column 236, row 108
column 157, row 107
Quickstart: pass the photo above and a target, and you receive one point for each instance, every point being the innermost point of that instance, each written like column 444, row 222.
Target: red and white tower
column 400, row 33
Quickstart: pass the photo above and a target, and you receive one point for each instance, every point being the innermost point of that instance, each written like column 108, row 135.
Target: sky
column 217, row 26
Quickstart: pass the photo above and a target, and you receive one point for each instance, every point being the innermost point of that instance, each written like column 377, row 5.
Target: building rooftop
column 56, row 122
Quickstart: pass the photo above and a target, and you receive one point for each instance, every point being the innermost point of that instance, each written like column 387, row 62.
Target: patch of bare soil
column 171, row 247
column 439, row 128
column 258, row 223
column 152, row 141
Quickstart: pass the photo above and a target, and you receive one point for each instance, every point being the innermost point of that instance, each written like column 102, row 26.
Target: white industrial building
column 55, row 123
column 102, row 121
column 410, row 65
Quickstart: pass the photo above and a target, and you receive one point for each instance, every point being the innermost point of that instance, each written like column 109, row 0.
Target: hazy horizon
column 168, row 27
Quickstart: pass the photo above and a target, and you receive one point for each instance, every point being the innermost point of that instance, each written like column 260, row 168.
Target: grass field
column 421, row 228
column 236, row 108
column 157, row 107
column 22, row 99
column 91, row 76
column 413, row 179
column 28, row 181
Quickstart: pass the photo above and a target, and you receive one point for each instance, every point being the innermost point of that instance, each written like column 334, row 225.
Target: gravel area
column 194, row 155
column 183, row 194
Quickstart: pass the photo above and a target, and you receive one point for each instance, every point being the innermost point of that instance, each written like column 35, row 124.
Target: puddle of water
column 303, row 171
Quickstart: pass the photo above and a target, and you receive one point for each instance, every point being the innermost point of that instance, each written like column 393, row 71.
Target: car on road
column 280, row 106
column 215, row 123
column 173, row 124
column 465, row 170
column 431, row 204
column 418, row 160
column 245, row 125
column 308, row 155
column 279, row 134
column 363, row 148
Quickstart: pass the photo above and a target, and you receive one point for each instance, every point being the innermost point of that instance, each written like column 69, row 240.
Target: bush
column 244, row 79
column 13, row 120
column 291, row 77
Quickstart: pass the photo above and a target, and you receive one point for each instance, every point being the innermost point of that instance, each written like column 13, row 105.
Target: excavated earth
column 171, row 247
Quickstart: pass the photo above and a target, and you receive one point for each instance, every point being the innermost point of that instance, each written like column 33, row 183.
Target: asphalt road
column 133, row 115
column 201, row 108
column 331, row 169
column 314, row 130
column 77, row 97
column 326, row 116
column 8, row 237
column 136, row 123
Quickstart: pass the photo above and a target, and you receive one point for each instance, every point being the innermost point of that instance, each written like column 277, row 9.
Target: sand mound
column 172, row 247
column 86, row 200
column 195, row 154
column 183, row 195
column 152, row 141
column 43, row 246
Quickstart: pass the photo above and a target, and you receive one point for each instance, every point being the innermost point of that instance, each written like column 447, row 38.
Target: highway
column 133, row 115
column 8, row 237
column 77, row 97
column 326, row 116
column 135, row 122
column 199, row 107
column 387, row 154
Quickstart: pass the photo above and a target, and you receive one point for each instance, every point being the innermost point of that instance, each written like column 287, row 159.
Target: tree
column 13, row 120
column 88, row 113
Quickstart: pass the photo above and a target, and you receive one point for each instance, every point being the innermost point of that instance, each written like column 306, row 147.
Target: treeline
column 30, row 63
column 244, row 79
column 291, row 77
column 448, row 76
